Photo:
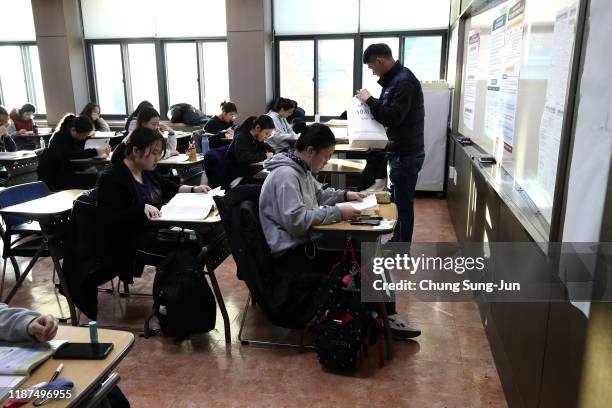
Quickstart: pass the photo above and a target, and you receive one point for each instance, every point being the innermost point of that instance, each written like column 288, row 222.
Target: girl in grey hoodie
column 292, row 201
column 23, row 325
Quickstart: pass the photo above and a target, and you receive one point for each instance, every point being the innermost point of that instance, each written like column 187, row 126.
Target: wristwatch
column 193, row 189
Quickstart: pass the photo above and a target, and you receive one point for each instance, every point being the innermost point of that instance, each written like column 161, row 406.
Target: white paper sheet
column 368, row 202
column 96, row 143
column 469, row 94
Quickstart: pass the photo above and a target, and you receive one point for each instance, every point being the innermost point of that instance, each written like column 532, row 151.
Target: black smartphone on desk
column 365, row 221
column 83, row 351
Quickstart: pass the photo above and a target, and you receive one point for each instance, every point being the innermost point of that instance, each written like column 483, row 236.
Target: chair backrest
column 21, row 194
column 216, row 167
column 239, row 214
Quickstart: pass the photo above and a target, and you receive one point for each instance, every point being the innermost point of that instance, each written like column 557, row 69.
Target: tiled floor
column 449, row 365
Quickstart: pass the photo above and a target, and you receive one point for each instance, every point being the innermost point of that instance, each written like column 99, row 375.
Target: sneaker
column 379, row 185
column 401, row 328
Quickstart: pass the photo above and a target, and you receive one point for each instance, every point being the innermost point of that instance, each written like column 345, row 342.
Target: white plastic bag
column 363, row 130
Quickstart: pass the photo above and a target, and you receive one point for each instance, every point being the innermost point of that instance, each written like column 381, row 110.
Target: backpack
column 187, row 114
column 346, row 326
column 183, row 301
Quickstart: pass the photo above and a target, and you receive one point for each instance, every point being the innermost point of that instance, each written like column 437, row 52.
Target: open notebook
column 190, row 206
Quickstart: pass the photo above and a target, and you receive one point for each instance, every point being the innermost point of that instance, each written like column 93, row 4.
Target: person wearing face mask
column 249, row 147
column 92, row 111
column 6, row 143
column 130, row 192
column 22, row 122
column 281, row 110
column 66, row 144
column 221, row 126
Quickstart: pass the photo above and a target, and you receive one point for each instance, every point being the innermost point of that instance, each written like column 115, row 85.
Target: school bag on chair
column 346, row 327
column 183, row 302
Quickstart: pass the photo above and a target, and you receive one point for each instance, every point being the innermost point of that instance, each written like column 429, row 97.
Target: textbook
column 8, row 383
column 190, row 206
column 96, row 143
column 21, row 358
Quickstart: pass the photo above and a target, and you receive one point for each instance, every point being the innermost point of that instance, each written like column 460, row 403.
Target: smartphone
column 365, row 222
column 83, row 351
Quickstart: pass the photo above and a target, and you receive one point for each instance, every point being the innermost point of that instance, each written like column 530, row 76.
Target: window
column 216, row 81
column 126, row 72
column 297, row 79
column 323, row 41
column 369, row 81
column 335, row 80
column 182, row 73
column 109, row 78
column 423, row 55
column 143, row 74
column 20, row 80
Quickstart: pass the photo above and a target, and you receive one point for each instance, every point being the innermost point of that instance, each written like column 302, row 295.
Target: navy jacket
column 243, row 151
column 401, row 110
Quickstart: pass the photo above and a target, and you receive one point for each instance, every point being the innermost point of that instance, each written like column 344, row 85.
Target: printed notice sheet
column 469, row 94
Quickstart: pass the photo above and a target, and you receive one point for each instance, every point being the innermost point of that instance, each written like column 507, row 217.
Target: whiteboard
column 539, row 50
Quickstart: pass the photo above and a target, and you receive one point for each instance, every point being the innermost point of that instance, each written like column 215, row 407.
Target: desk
column 338, row 233
column 189, row 172
column 87, row 375
column 52, row 213
column 34, row 139
column 343, row 166
column 21, row 166
column 214, row 250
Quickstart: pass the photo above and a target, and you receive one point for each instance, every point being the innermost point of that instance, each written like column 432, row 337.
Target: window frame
column 358, row 53
column 160, row 57
column 28, row 74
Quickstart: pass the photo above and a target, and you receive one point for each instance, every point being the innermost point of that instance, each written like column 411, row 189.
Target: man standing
column 400, row 109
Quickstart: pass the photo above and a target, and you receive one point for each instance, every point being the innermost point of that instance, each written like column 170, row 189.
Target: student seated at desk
column 221, row 126
column 92, row 112
column 130, row 192
column 22, row 123
column 282, row 109
column 6, row 143
column 66, row 144
column 130, row 123
column 149, row 118
column 23, row 325
column 292, row 202
column 249, row 147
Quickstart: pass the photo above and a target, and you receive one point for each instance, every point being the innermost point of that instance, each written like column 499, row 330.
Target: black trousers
column 376, row 168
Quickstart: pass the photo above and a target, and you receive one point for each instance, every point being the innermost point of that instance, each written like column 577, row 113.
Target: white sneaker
column 401, row 328
column 379, row 185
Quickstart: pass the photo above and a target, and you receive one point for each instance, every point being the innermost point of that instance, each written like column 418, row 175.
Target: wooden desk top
column 343, row 166
column 50, row 205
column 345, row 148
column 86, row 374
column 387, row 211
column 180, row 161
column 92, row 160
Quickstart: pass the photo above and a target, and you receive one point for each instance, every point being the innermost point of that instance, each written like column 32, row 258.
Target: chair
column 29, row 239
column 238, row 210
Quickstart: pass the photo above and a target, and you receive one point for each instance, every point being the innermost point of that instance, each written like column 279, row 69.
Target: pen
column 57, row 372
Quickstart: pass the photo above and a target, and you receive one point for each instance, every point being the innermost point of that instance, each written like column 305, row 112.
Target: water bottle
column 43, row 143
column 205, row 147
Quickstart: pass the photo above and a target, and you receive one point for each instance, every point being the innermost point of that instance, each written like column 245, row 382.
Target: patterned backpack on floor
column 346, row 326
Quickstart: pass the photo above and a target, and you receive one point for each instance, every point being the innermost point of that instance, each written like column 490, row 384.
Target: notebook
column 8, row 383
column 190, row 206
column 20, row 359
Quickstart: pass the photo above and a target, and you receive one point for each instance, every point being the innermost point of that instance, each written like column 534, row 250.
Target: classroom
column 348, row 203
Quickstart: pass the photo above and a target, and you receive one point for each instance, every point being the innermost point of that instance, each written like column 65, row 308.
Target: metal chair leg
column 3, row 275
column 219, row 297
column 246, row 342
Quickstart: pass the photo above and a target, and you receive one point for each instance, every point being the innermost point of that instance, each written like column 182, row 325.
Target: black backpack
column 346, row 326
column 187, row 114
column 183, row 301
